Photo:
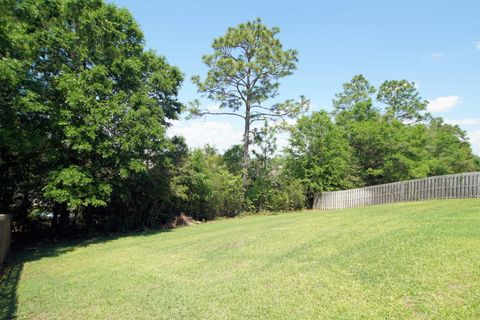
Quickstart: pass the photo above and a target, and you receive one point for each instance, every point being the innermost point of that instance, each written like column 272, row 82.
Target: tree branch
column 264, row 116
column 260, row 107
column 202, row 113
column 271, row 114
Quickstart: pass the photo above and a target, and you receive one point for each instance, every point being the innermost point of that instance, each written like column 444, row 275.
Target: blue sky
column 434, row 43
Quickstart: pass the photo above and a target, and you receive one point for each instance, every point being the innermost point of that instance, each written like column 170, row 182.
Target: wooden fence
column 454, row 186
column 5, row 235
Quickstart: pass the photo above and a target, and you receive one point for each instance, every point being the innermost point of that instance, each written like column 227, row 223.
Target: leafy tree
column 273, row 188
column 357, row 91
column 262, row 169
column 232, row 158
column 319, row 155
column 207, row 188
column 87, row 94
column 402, row 100
column 146, row 199
column 265, row 139
column 244, row 71
column 384, row 148
column 388, row 151
column 355, row 102
column 398, row 142
column 22, row 131
column 477, row 162
column 449, row 149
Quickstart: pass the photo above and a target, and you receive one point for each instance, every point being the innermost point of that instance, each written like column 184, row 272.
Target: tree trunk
column 246, row 144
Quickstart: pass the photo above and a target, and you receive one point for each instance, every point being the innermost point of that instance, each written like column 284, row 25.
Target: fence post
column 5, row 235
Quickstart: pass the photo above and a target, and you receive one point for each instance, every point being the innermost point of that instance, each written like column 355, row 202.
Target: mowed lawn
column 412, row 260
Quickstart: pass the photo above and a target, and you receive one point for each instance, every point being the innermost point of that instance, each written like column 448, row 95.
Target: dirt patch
column 182, row 220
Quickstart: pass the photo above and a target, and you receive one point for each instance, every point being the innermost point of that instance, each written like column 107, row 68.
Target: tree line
column 86, row 107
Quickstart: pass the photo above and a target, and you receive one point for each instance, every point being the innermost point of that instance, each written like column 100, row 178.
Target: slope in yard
column 409, row 260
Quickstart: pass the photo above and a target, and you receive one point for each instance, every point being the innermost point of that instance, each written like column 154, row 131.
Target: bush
column 272, row 190
column 206, row 187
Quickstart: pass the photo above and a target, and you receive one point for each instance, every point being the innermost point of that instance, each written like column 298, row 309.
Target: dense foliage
column 366, row 144
column 206, row 186
column 320, row 155
column 85, row 110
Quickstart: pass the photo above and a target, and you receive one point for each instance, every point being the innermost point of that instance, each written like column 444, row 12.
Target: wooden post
column 5, row 236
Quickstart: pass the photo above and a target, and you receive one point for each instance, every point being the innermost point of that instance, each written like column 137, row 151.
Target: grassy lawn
column 411, row 260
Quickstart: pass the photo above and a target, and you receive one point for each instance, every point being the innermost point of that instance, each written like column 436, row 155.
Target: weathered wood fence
column 463, row 185
column 5, row 235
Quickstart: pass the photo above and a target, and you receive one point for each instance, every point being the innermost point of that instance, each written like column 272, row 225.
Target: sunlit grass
column 412, row 260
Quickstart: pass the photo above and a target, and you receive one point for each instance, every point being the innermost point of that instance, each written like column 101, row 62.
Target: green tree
column 449, row 149
column 244, row 71
column 273, row 188
column 402, row 101
column 384, row 148
column 355, row 102
column 207, row 188
column 88, row 93
column 266, row 141
column 22, row 129
column 388, row 150
column 262, row 169
column 320, row 155
column 357, row 91
column 232, row 158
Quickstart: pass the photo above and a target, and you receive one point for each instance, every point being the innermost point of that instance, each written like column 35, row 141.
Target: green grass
column 411, row 260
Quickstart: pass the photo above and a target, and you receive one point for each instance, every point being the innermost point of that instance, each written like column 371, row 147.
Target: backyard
column 406, row 260
column 254, row 160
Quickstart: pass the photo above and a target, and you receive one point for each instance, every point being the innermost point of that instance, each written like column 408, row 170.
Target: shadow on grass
column 12, row 270
column 58, row 247
column 8, row 290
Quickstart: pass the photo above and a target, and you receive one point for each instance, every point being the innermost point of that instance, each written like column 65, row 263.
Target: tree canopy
column 319, row 154
column 85, row 106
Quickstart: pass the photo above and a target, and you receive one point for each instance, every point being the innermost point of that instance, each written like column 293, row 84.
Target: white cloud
column 198, row 133
column 443, row 104
column 475, row 140
column 477, row 45
column 466, row 121
column 436, row 55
